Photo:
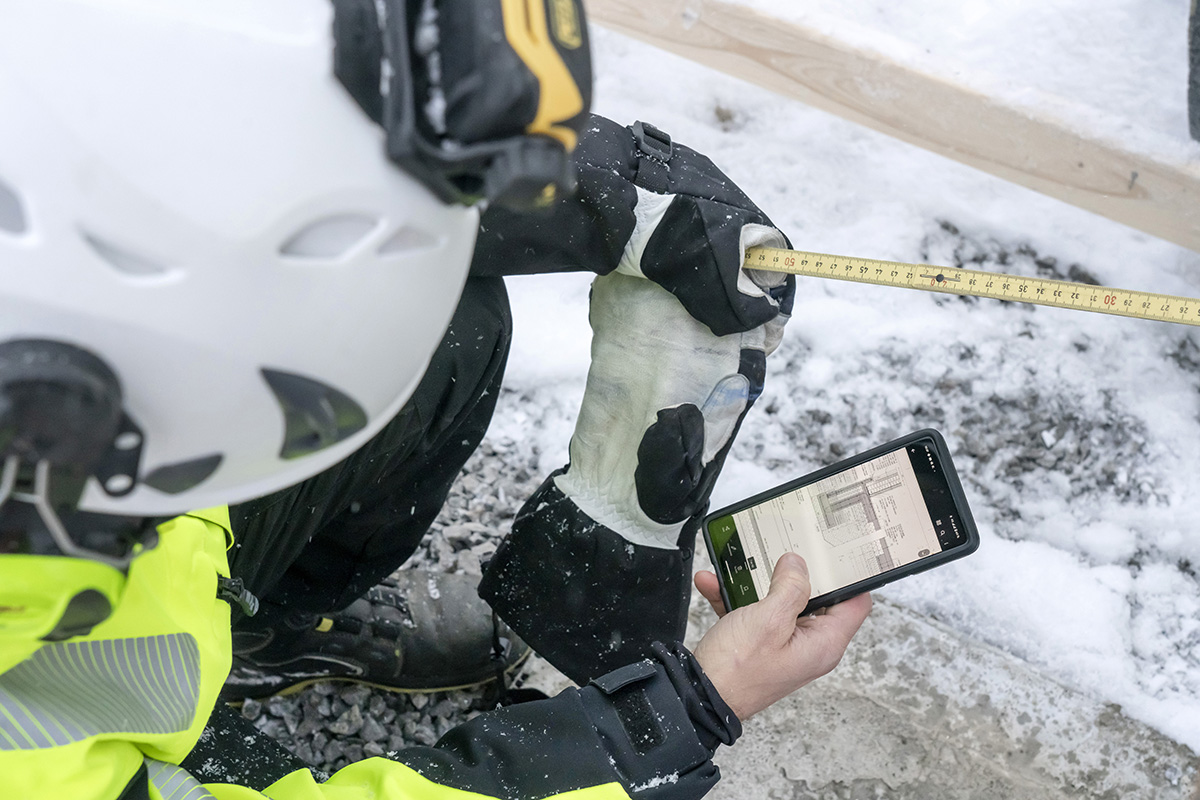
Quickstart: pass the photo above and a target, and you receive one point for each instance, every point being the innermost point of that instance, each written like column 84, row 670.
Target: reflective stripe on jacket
column 78, row 717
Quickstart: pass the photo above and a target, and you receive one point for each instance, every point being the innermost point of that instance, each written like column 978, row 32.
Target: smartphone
column 892, row 511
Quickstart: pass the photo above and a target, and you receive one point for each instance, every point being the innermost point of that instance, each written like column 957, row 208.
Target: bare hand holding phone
column 762, row 652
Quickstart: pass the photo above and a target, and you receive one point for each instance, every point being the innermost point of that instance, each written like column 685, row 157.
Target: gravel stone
column 334, row 751
column 372, row 731
column 355, row 694
column 251, row 709
column 303, row 750
column 445, row 708
column 275, row 728
column 424, row 734
column 348, row 723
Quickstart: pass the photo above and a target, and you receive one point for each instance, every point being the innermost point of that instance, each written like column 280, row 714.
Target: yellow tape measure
column 978, row 283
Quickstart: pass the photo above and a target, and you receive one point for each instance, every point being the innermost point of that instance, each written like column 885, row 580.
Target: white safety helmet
column 189, row 194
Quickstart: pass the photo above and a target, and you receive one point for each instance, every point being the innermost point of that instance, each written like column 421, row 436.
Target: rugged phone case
column 925, row 436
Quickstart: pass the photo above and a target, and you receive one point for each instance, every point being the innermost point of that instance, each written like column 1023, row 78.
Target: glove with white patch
column 598, row 564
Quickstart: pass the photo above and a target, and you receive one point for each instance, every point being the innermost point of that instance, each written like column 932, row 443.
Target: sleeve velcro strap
column 632, row 706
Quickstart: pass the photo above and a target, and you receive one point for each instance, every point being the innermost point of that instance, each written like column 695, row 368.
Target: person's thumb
column 790, row 587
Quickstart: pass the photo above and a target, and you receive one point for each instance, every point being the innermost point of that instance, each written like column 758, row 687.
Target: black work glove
column 598, row 563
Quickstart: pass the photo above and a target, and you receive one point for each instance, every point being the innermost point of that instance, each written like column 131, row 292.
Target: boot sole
column 304, row 684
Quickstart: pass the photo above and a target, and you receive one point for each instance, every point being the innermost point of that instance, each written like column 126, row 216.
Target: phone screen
column 865, row 520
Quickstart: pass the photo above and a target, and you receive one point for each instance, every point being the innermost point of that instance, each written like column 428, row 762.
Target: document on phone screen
column 849, row 526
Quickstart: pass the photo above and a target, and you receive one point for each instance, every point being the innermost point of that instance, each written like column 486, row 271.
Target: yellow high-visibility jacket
column 111, row 714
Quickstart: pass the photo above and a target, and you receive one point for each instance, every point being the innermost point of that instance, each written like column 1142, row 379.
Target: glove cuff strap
column 654, row 151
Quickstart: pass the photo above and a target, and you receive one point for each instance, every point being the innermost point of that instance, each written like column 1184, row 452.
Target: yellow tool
column 979, row 283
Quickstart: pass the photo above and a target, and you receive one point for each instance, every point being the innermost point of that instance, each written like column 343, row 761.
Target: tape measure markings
column 979, row 283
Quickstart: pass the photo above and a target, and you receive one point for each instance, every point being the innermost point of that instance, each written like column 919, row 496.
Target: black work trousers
column 315, row 547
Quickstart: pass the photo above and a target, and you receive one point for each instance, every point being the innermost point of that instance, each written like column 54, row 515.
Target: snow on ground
column 1077, row 435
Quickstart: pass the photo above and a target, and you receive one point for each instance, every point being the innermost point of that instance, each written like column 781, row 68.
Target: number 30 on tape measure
column 978, row 283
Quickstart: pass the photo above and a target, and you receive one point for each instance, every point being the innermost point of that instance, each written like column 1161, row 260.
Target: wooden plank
column 926, row 110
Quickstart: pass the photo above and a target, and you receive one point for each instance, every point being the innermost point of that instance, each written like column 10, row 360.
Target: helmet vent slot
column 407, row 240
column 12, row 213
column 330, row 237
column 316, row 415
column 125, row 261
column 184, row 475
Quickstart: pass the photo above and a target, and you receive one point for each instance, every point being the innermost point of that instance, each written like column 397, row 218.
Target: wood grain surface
column 1048, row 155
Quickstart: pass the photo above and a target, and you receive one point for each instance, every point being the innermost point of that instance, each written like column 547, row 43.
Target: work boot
column 416, row 632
